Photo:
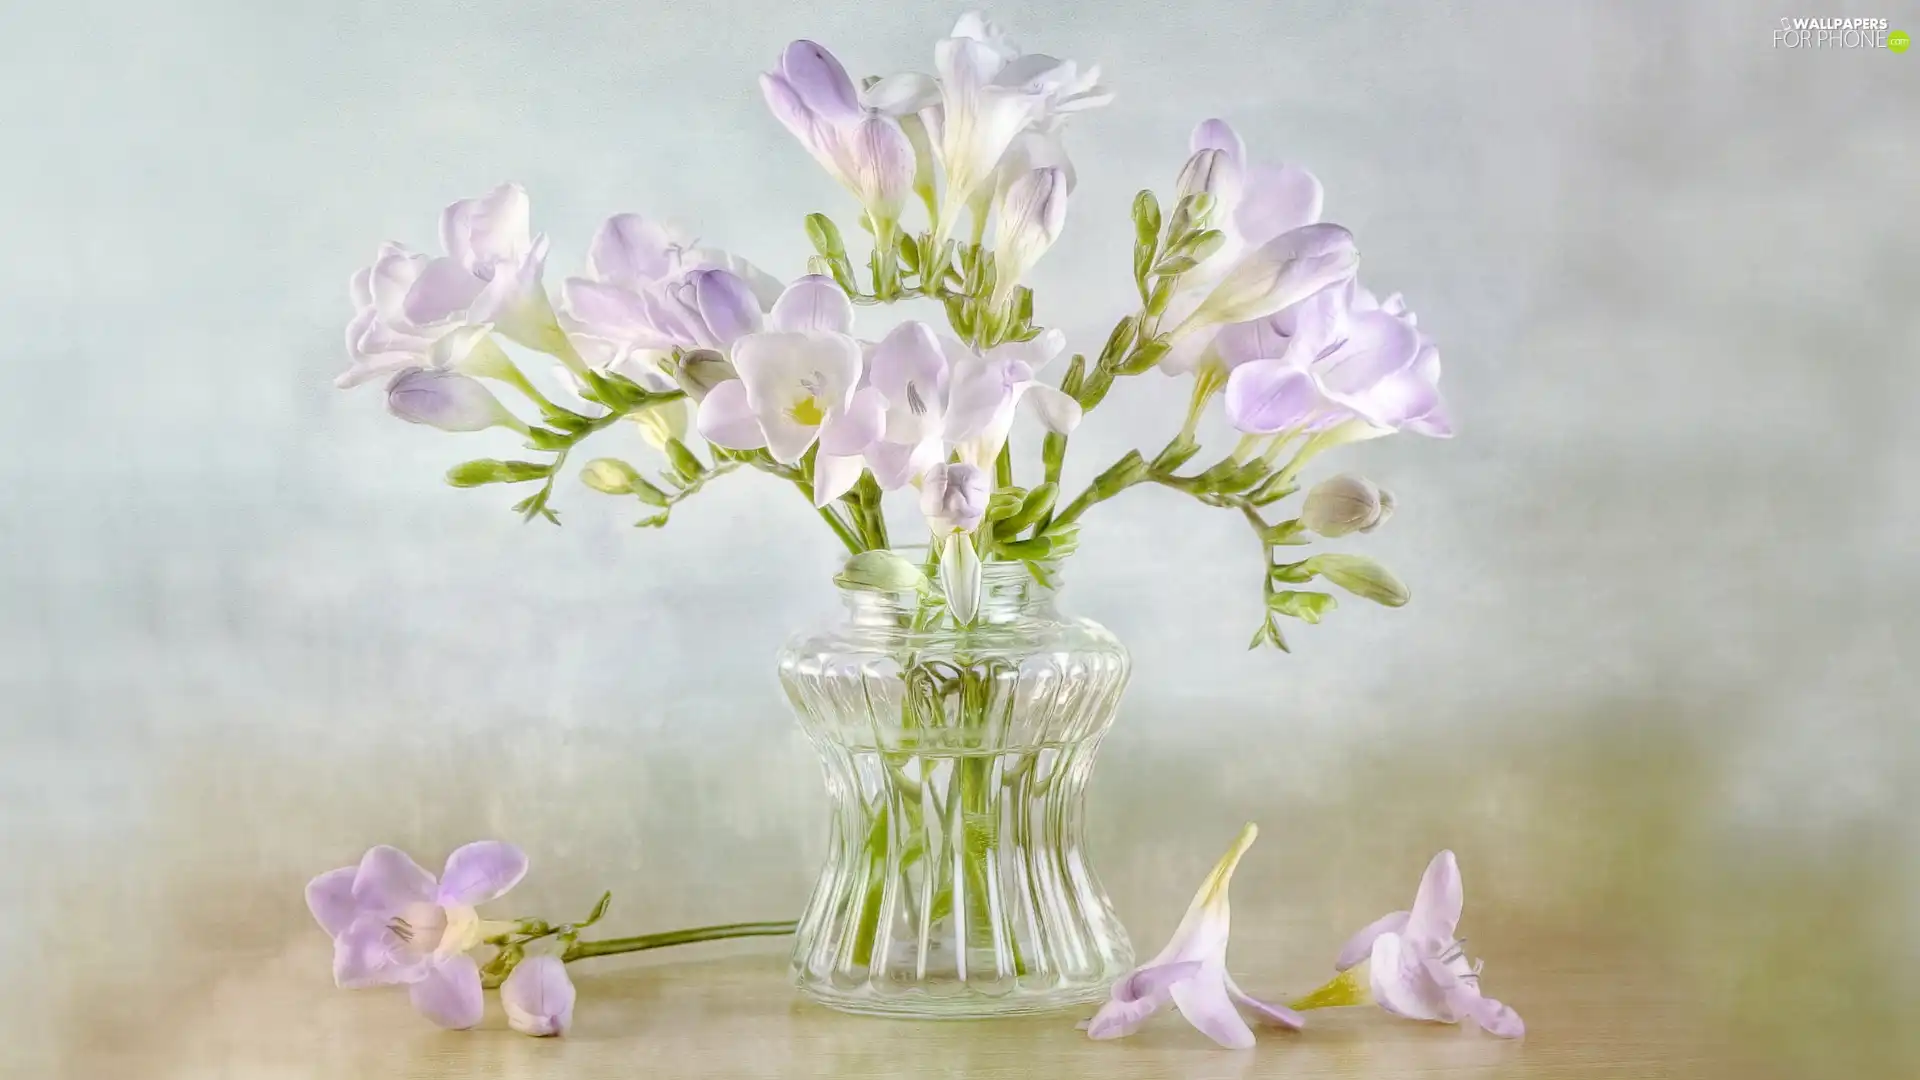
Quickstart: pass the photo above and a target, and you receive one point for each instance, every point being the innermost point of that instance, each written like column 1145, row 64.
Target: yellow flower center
column 807, row 412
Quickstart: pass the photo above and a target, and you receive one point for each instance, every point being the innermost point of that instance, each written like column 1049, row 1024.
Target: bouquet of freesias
column 963, row 181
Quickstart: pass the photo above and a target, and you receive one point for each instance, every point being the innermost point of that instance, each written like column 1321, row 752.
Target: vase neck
column 1009, row 592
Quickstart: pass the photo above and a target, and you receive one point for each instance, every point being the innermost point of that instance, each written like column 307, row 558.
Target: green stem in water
column 583, row 950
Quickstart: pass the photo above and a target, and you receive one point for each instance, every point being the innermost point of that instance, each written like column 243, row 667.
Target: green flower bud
column 489, row 471
column 1305, row 606
column 662, row 423
column 610, row 476
column 1360, row 576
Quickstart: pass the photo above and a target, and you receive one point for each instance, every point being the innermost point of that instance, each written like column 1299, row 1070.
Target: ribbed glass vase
column 957, row 882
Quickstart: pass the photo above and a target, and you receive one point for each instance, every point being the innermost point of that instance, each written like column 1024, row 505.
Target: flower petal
column 820, row 82
column 1494, row 1017
column 1218, row 135
column 1138, row 996
column 855, row 429
column 813, row 302
column 726, row 305
column 387, row 880
column 538, row 997
column 725, row 418
column 1204, row 1002
column 630, row 251
column 500, row 226
column 609, row 311
column 450, row 994
column 834, row 475
column 1401, row 984
column 330, row 898
column 1269, row 396
column 1268, row 1012
column 481, row 871
column 895, row 465
column 908, row 365
column 1360, row 945
column 1057, row 410
column 443, row 290
column 1275, row 199
column 1436, row 907
column 901, row 95
column 367, row 954
column 1034, row 352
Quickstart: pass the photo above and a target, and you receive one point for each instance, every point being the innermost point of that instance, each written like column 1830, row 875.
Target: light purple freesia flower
column 1033, row 211
column 447, row 400
column 1191, row 973
column 988, row 389
column 1254, row 204
column 1341, row 359
column 393, row 923
column 865, row 149
column 1419, row 969
column 538, row 997
column 648, row 291
column 954, row 498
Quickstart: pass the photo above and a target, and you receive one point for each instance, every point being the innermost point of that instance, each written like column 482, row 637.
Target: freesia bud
column 1211, row 172
column 609, row 476
column 1031, row 218
column 1345, row 504
column 881, row 166
column 447, row 400
column 1278, row 274
column 954, row 498
column 538, row 997
column 701, row 370
column 1360, row 576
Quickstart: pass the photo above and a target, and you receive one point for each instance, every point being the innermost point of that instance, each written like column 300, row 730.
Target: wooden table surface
column 1639, row 930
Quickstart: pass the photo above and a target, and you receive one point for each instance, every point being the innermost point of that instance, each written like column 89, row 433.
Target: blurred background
column 1655, row 687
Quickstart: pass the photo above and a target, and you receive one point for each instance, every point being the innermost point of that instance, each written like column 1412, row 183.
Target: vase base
column 900, row 1004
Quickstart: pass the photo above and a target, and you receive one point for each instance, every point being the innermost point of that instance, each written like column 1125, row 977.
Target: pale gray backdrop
column 244, row 628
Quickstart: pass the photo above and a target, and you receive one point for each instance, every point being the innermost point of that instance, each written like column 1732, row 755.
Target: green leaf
column 1305, row 606
column 1360, row 576
column 826, row 237
column 909, row 253
column 1175, row 265
column 1178, row 453
column 1118, row 342
column 882, row 571
column 1269, row 634
column 1294, row 573
column 685, row 461
column 1146, row 218
column 1285, row 533
column 1075, row 377
column 1146, row 356
column 649, row 494
column 489, row 471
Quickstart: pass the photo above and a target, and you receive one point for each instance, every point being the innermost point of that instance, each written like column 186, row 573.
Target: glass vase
column 957, row 882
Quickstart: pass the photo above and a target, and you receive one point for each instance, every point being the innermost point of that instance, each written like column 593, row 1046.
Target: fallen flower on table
column 1191, row 973
column 392, row 923
column 538, row 997
column 1417, row 967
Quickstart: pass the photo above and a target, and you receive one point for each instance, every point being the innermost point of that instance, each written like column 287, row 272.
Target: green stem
column 583, row 950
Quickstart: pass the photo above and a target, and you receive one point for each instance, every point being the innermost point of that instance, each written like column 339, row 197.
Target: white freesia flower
column 800, row 384
column 989, row 96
